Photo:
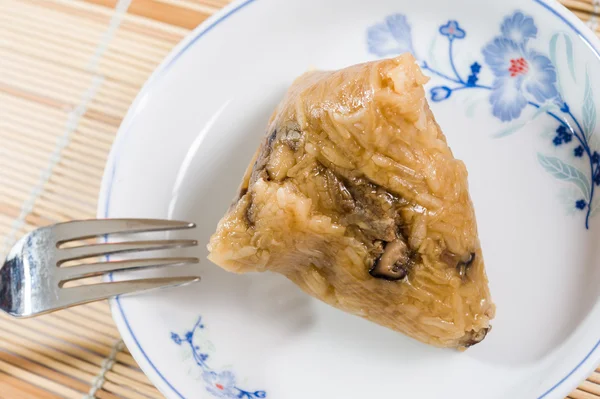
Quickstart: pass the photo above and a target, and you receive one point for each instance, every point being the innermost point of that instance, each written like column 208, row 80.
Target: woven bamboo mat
column 68, row 71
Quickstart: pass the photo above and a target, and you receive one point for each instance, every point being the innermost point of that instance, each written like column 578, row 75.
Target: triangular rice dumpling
column 356, row 197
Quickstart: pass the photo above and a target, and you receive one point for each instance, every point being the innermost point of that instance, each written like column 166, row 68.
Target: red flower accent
column 518, row 67
column 219, row 386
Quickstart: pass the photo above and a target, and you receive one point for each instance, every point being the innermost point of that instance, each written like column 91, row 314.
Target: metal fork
column 33, row 276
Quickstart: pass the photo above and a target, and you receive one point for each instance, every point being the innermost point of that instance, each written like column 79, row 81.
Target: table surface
column 69, row 69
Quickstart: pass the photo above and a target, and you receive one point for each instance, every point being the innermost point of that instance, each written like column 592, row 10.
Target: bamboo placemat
column 69, row 70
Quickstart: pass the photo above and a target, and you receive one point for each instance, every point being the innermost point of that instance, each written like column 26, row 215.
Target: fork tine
column 98, row 269
column 88, row 251
column 90, row 293
column 83, row 229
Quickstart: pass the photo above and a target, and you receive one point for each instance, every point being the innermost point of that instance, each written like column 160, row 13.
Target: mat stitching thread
column 72, row 123
column 593, row 22
column 107, row 365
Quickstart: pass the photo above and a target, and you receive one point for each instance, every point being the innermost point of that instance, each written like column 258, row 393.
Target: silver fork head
column 32, row 279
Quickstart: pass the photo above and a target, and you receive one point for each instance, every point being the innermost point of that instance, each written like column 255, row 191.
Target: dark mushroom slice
column 249, row 214
column 293, row 136
column 394, row 263
column 475, row 337
column 463, row 267
column 461, row 263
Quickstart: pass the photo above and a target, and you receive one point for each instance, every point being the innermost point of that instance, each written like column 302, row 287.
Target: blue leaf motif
column 563, row 171
column 176, row 338
column 569, row 56
column 589, row 108
column 515, row 127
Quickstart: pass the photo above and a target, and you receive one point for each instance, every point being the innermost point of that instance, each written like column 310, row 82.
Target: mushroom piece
column 461, row 264
column 474, row 337
column 293, row 136
column 394, row 263
column 463, row 267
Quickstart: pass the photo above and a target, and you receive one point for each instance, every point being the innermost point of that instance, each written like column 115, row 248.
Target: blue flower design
column 521, row 77
column 563, row 135
column 452, row 30
column 474, row 76
column 472, row 80
column 391, row 37
column 519, row 28
column 519, row 73
column 557, row 141
column 507, row 100
column 440, row 93
column 475, row 68
column 221, row 385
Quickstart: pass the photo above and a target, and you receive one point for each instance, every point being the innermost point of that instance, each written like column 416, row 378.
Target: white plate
column 187, row 139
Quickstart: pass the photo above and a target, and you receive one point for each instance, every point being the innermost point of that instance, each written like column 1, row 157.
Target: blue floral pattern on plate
column 522, row 77
column 220, row 384
column 391, row 37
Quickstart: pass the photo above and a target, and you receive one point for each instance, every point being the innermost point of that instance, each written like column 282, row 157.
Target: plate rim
column 562, row 387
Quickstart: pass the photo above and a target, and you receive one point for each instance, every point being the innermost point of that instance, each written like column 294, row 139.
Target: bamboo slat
column 579, row 394
column 67, row 79
column 16, row 388
column 590, row 387
column 48, row 380
column 582, row 5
